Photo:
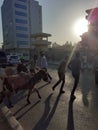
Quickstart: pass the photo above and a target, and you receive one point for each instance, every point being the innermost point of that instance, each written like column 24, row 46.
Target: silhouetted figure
column 61, row 75
column 75, row 66
column 44, row 65
column 32, row 66
column 35, row 59
column 96, row 69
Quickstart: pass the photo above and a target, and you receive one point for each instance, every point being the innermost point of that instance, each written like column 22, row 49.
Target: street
column 56, row 112
column 3, row 123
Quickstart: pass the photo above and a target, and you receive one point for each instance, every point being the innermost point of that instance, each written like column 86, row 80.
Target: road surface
column 56, row 112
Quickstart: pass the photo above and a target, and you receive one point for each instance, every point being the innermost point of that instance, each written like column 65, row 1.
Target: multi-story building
column 20, row 20
column 89, row 40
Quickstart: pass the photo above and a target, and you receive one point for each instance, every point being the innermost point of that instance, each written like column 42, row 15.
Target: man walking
column 75, row 66
column 61, row 75
column 96, row 69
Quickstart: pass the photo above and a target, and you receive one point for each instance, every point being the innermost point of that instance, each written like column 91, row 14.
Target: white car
column 13, row 59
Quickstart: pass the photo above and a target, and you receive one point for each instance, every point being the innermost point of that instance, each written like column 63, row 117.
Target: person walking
column 96, row 69
column 44, row 65
column 61, row 75
column 75, row 67
column 32, row 65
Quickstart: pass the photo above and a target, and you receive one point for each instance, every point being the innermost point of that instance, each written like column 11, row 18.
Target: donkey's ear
column 37, row 68
column 44, row 69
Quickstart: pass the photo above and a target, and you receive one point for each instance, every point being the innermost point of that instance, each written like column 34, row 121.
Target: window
column 21, row 35
column 21, row 28
column 20, row 6
column 21, row 21
column 21, row 13
column 22, row 42
column 22, row 0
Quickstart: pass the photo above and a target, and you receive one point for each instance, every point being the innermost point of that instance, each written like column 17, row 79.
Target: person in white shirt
column 44, row 61
column 44, row 65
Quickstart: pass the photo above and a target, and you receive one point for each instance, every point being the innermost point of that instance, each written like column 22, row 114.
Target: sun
column 80, row 26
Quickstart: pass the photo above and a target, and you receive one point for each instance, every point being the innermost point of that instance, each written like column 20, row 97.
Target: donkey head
column 44, row 75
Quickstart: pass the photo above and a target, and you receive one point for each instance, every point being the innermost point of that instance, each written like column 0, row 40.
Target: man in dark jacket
column 61, row 75
column 75, row 67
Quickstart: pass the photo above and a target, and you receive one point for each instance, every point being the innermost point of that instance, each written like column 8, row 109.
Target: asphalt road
column 3, row 123
column 56, row 112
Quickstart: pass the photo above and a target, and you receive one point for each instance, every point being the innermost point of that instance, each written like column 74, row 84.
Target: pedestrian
column 96, row 69
column 75, row 67
column 32, row 66
column 61, row 74
column 44, row 65
column 22, row 59
column 35, row 59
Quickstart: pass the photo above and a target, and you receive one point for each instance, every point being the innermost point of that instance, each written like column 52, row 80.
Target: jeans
column 61, row 79
column 76, row 81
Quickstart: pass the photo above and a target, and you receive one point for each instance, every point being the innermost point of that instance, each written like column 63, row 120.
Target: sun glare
column 81, row 26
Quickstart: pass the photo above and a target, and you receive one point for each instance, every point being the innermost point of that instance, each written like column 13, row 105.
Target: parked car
column 13, row 59
column 3, row 59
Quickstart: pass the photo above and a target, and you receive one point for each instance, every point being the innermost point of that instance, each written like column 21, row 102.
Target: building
column 20, row 20
column 89, row 40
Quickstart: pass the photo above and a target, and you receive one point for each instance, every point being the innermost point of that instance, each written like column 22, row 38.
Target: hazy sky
column 59, row 17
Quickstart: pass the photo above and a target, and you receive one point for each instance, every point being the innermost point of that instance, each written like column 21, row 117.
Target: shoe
column 51, row 78
column 61, row 92
column 49, row 81
column 73, row 97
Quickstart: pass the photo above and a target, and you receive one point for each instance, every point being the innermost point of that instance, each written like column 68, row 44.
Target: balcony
column 40, row 42
column 40, row 39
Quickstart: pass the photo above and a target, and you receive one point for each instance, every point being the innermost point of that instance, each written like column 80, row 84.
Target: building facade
column 20, row 20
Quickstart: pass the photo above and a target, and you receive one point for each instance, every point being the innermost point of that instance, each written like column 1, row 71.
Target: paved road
column 3, row 123
column 55, row 112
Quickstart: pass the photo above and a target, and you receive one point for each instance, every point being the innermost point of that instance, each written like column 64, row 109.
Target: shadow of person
column 25, row 112
column 70, row 121
column 47, row 115
column 86, row 86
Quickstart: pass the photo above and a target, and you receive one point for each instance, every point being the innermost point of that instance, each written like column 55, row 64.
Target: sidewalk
column 8, row 121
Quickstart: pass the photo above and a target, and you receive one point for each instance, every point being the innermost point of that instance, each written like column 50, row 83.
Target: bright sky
column 60, row 16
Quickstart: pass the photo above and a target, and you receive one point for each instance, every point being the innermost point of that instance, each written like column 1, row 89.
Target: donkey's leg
column 37, row 92
column 29, row 93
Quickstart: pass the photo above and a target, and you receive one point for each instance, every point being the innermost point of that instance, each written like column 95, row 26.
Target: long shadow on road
column 20, row 116
column 19, row 96
column 70, row 122
column 43, row 123
column 20, row 109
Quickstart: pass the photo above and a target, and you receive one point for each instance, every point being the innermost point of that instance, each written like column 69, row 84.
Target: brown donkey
column 16, row 83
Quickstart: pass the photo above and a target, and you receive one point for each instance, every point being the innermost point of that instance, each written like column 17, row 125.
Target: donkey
column 29, row 85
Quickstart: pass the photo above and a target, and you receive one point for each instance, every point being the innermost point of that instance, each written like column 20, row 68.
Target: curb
column 14, row 124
